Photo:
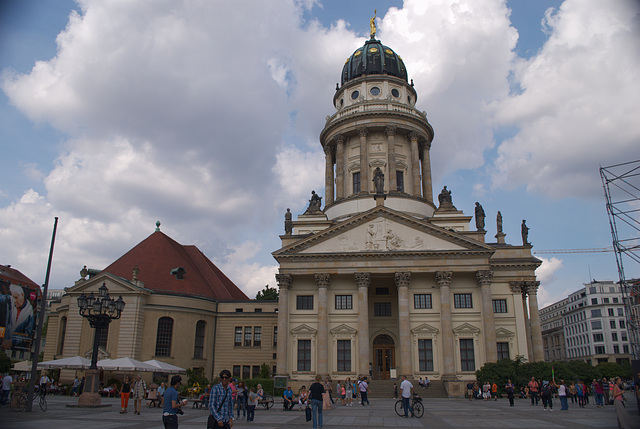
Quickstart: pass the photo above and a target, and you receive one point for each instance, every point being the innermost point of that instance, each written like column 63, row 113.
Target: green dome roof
column 373, row 58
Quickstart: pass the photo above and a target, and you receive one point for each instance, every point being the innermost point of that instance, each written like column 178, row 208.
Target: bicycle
column 266, row 402
column 416, row 404
column 19, row 401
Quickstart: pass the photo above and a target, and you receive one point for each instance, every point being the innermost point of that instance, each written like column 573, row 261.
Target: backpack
column 546, row 391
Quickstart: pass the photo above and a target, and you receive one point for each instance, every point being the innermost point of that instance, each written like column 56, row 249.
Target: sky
column 206, row 115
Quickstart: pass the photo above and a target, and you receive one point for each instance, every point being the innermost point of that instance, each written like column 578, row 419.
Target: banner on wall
column 17, row 316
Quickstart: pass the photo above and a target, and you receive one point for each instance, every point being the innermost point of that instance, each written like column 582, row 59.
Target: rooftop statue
column 479, row 217
column 314, row 203
column 499, row 221
column 372, row 24
column 525, row 233
column 378, row 181
column 288, row 224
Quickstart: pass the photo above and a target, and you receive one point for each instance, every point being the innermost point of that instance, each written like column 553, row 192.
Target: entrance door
column 384, row 356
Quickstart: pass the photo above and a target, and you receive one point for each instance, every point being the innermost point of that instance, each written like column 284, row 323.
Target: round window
column 395, row 93
column 355, row 94
column 375, row 91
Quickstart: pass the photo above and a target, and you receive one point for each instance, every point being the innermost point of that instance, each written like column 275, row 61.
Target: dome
column 373, row 58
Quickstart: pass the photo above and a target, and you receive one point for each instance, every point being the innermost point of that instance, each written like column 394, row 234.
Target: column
column 520, row 311
column 484, row 279
column 534, row 315
column 339, row 167
column 415, row 164
column 364, row 161
column 322, row 281
column 363, row 280
column 328, row 175
column 427, row 187
column 443, row 281
column 402, row 283
column 391, row 154
column 527, row 324
column 284, row 283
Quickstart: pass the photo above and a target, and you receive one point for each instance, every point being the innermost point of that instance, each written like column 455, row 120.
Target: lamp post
column 99, row 311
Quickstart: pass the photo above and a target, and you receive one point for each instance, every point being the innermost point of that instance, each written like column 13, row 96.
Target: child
column 395, row 391
column 253, row 403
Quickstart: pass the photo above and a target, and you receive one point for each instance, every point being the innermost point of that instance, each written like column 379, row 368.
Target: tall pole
column 43, row 307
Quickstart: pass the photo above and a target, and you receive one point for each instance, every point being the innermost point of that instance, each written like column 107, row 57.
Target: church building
column 384, row 281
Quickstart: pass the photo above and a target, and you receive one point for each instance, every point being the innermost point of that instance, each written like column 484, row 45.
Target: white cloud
column 546, row 272
column 578, row 107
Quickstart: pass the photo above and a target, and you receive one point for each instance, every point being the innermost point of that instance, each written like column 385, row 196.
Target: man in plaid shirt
column 221, row 403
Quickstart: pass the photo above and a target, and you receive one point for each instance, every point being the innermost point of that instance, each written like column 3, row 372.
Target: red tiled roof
column 16, row 277
column 158, row 254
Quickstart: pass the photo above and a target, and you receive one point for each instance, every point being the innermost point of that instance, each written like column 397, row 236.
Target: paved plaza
column 439, row 413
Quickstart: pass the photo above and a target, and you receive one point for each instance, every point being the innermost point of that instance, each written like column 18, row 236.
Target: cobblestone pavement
column 439, row 413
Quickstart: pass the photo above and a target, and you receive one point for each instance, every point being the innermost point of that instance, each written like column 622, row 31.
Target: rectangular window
column 104, row 336
column 623, row 336
column 425, row 355
column 616, row 349
column 400, row 181
column 255, row 371
column 614, row 336
column 304, row 302
column 462, row 300
column 596, row 324
column 599, row 350
column 592, row 290
column 612, row 324
column 605, row 300
column 499, row 305
column 503, row 351
column 344, row 302
column 246, row 372
column 621, row 312
column 611, row 313
column 382, row 309
column 598, row 338
column 237, row 338
column 615, row 300
column 621, row 323
column 596, row 313
column 594, row 301
column 344, row 355
column 422, row 300
column 304, row 355
column 236, row 371
column 257, row 336
column 275, row 336
column 356, row 182
column 247, row 336
column 467, row 357
column 625, row 348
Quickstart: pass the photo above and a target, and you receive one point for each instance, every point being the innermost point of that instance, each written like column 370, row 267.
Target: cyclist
column 407, row 391
column 44, row 383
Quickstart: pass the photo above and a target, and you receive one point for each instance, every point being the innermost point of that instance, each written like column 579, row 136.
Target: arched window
column 163, row 337
column 63, row 332
column 198, row 348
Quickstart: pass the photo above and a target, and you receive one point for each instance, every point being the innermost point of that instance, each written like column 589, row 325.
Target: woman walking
column 241, row 398
column 562, row 394
column 510, row 388
column 124, row 395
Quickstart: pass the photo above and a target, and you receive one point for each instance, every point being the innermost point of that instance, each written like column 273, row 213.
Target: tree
column 268, row 294
column 5, row 362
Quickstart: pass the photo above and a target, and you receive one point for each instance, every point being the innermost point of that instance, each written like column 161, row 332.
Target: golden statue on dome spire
column 372, row 24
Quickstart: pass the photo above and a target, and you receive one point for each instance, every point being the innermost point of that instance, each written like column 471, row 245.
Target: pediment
column 343, row 329
column 116, row 285
column 425, row 328
column 504, row 333
column 383, row 230
column 466, row 328
column 303, row 330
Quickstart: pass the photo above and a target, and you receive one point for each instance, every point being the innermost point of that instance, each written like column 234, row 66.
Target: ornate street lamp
column 99, row 311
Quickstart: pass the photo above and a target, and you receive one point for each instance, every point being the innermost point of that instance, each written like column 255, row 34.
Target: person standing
column 241, row 399
column 470, row 390
column 364, row 389
column 76, row 384
column 580, row 393
column 221, row 403
column 349, row 392
column 562, row 394
column 598, row 393
column 161, row 390
column 172, row 404
column 124, row 395
column 494, row 391
column 315, row 391
column 6, row 388
column 328, row 389
column 510, row 388
column 573, row 392
column 252, row 403
column 547, row 394
column 533, row 390
column 605, row 390
column 139, row 389
column 407, row 390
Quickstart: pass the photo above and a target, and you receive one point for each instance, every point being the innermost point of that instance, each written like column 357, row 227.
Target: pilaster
column 328, row 175
column 443, row 281
column 364, row 161
column 323, row 281
column 427, row 187
column 390, row 131
column 284, row 284
column 340, row 165
column 363, row 281
column 402, row 283
column 484, row 279
column 415, row 164
column 534, row 314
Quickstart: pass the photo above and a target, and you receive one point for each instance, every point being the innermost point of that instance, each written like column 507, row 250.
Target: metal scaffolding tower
column 621, row 184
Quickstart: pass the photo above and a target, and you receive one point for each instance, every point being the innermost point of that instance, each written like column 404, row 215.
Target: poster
column 17, row 316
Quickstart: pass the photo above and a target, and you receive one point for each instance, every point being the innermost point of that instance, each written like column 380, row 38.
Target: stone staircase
column 384, row 389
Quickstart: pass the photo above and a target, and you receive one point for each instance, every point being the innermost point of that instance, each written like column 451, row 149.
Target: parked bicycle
column 19, row 400
column 416, row 404
column 266, row 402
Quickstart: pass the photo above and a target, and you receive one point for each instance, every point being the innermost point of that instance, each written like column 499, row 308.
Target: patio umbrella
column 165, row 367
column 24, row 366
column 75, row 362
column 125, row 364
